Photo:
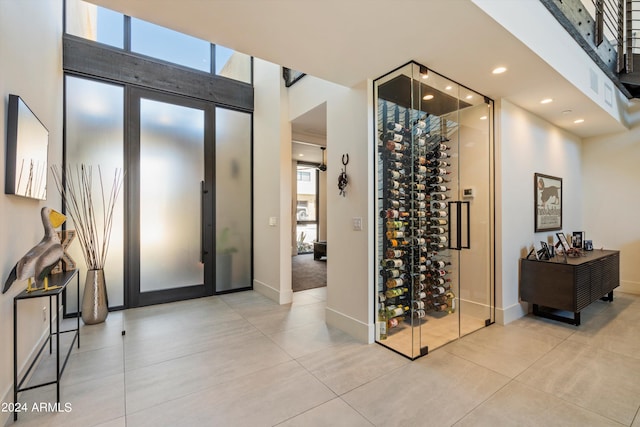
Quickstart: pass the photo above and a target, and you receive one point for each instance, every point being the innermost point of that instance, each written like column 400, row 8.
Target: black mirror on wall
column 27, row 144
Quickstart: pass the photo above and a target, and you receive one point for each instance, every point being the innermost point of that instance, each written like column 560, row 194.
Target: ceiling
column 349, row 41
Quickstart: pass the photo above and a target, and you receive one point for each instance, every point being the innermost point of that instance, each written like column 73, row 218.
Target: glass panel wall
column 232, row 64
column 94, row 136
column 162, row 43
column 434, row 195
column 95, row 23
column 171, row 173
column 233, row 200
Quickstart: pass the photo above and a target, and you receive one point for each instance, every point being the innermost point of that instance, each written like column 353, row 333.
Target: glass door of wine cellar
column 434, row 195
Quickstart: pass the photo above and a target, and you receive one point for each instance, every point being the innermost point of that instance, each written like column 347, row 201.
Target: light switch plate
column 273, row 221
column 357, row 224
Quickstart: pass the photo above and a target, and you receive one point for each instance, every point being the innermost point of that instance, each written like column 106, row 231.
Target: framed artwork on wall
column 547, row 193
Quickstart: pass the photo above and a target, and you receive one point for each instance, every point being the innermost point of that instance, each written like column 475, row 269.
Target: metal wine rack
column 413, row 230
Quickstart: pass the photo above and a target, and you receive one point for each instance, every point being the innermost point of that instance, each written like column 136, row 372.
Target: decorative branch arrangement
column 77, row 196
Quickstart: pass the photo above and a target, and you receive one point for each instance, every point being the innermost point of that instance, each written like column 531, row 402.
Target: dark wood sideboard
column 569, row 286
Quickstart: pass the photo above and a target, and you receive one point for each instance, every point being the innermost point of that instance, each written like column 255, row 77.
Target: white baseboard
column 273, row 294
column 511, row 313
column 357, row 329
column 629, row 287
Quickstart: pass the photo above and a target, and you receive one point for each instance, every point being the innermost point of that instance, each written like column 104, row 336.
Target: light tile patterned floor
column 242, row 360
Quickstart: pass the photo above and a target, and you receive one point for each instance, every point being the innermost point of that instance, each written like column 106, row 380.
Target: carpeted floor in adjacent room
column 307, row 273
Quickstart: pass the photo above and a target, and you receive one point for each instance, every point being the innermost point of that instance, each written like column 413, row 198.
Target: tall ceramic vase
column 94, row 301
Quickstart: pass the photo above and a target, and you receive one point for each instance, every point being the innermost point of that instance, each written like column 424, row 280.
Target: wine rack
column 413, row 173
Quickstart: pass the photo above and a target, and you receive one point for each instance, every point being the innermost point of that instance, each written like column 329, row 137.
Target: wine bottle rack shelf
column 413, row 177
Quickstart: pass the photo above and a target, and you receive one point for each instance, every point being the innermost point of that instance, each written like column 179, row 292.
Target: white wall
column 611, row 203
column 528, row 144
column 349, row 252
column 272, row 184
column 30, row 66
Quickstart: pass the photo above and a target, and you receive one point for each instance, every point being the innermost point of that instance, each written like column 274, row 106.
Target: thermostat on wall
column 468, row 193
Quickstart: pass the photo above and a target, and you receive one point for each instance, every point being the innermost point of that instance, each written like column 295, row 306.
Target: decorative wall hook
column 343, row 179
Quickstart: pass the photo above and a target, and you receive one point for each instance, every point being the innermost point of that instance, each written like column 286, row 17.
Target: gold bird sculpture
column 43, row 257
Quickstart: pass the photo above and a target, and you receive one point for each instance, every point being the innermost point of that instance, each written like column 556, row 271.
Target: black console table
column 570, row 285
column 62, row 280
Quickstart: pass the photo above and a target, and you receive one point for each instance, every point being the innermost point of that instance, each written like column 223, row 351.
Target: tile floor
column 242, row 360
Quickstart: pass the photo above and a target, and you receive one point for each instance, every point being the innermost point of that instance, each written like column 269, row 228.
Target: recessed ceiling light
column 449, row 87
column 425, row 76
column 483, row 118
column 300, row 155
column 499, row 70
column 427, row 97
column 546, row 101
column 567, row 112
column 469, row 96
column 578, row 121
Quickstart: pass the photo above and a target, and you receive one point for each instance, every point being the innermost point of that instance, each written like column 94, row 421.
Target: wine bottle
column 397, row 128
column 419, row 314
column 391, row 273
column 391, row 136
column 418, row 305
column 437, row 179
column 441, row 264
column 394, row 321
column 438, row 221
column 393, row 283
column 438, row 196
column 396, row 242
column 382, row 323
column 396, row 234
column 438, row 290
column 420, row 169
column 395, row 253
column 451, row 301
column 395, row 311
column 396, row 165
column 395, row 146
column 438, row 230
column 420, row 196
column 438, row 247
column 438, row 205
column 392, row 262
column 444, row 147
column 437, row 238
column 396, row 292
column 394, row 213
column 438, row 171
column 436, row 154
column 443, row 164
column 422, row 160
column 420, row 123
column 440, row 281
column 394, row 155
column 397, row 174
column 441, row 214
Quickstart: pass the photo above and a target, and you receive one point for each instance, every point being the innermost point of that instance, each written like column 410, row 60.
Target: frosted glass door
column 172, row 139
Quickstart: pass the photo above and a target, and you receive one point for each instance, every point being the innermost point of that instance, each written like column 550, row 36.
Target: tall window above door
column 102, row 25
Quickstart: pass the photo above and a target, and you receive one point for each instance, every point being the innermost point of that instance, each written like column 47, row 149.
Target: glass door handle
column 203, row 192
column 456, row 220
column 468, row 221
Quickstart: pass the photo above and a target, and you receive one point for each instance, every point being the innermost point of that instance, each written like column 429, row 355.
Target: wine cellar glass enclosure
column 434, row 194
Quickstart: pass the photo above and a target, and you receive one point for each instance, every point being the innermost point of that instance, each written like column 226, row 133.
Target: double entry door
column 182, row 227
column 190, row 163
